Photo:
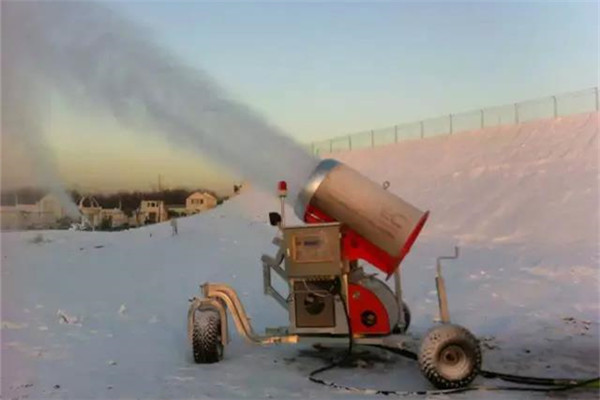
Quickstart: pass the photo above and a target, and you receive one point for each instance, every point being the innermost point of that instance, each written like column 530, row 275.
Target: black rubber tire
column 450, row 356
column 206, row 337
column 400, row 329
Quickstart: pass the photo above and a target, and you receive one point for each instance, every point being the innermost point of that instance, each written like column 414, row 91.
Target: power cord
column 540, row 384
column 336, row 291
column 551, row 384
column 561, row 383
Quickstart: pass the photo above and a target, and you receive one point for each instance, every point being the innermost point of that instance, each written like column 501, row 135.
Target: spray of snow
column 89, row 52
column 23, row 116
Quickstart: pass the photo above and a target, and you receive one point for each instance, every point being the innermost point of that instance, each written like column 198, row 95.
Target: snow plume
column 89, row 52
column 23, row 116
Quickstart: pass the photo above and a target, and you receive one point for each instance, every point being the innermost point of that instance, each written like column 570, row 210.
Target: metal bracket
column 222, row 297
column 441, row 286
column 270, row 263
column 398, row 293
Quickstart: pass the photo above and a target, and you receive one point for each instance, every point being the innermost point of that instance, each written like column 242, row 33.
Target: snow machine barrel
column 378, row 227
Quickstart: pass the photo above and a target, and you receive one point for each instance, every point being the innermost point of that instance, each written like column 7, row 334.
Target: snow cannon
column 377, row 226
column 331, row 297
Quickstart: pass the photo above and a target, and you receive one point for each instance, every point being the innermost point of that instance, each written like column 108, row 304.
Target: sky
column 320, row 70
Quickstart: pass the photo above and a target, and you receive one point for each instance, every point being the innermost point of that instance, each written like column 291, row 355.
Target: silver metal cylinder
column 345, row 195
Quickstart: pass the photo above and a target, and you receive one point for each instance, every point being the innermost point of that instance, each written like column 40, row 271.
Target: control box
column 313, row 250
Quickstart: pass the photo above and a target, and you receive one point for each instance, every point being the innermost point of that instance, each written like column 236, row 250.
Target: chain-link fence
column 548, row 107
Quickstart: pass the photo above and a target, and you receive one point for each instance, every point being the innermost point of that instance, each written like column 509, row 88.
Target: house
column 90, row 209
column 51, row 204
column 136, row 219
column 11, row 218
column 97, row 217
column 113, row 217
column 198, row 202
column 152, row 211
column 43, row 214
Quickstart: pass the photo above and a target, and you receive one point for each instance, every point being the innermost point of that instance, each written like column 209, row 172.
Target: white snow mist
column 23, row 117
column 86, row 49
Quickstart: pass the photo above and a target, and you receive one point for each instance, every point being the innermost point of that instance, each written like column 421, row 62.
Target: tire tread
column 435, row 340
column 206, row 337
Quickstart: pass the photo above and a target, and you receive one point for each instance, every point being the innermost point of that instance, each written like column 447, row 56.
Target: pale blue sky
column 324, row 69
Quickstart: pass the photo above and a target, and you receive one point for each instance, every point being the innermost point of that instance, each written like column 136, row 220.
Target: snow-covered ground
column 103, row 315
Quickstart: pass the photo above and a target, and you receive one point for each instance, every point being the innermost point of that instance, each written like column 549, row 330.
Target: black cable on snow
column 539, row 384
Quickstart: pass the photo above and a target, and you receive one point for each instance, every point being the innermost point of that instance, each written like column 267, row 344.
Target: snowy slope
column 529, row 182
column 521, row 198
column 522, row 203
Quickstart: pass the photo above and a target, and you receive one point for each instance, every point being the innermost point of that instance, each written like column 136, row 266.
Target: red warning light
column 282, row 188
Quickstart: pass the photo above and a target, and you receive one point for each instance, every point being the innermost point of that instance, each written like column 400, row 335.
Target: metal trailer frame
column 274, row 264
column 222, row 297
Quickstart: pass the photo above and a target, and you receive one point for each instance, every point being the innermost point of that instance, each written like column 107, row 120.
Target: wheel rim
column 454, row 362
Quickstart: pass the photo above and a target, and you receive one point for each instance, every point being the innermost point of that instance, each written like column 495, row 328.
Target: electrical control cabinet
column 313, row 250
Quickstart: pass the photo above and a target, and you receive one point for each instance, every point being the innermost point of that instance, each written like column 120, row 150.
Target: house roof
column 203, row 194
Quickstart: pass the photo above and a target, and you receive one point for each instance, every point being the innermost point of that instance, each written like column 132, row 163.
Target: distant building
column 153, row 211
column 198, row 202
column 24, row 216
column 114, row 217
column 50, row 204
column 43, row 214
column 98, row 217
column 90, row 209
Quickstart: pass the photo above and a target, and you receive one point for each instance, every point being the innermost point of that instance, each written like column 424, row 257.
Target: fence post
column 555, row 105
column 516, row 113
column 482, row 118
column 450, row 118
column 372, row 138
column 422, row 127
column 597, row 100
column 349, row 142
column 396, row 131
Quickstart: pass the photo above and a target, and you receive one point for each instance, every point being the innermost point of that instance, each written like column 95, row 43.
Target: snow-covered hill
column 102, row 315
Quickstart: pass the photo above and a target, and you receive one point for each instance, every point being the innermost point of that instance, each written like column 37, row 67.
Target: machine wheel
column 450, row 356
column 206, row 336
column 400, row 329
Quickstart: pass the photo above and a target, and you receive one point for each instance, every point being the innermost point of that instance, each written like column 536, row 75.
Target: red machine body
column 355, row 247
column 368, row 314
column 375, row 226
